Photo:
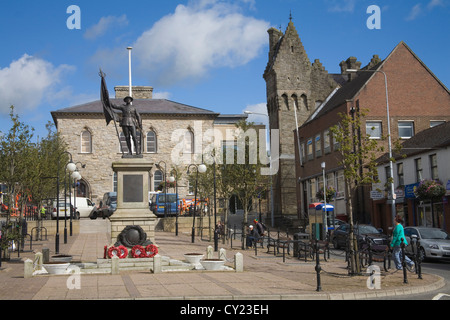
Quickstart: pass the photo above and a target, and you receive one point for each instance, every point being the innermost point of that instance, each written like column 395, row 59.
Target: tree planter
column 213, row 264
column 194, row 259
column 56, row 267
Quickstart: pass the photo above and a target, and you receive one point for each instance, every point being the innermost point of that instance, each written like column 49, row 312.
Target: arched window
column 304, row 102
column 151, row 142
column 189, row 142
column 285, row 102
column 86, row 142
column 157, row 179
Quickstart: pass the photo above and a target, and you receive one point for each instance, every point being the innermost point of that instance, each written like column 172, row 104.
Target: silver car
column 434, row 242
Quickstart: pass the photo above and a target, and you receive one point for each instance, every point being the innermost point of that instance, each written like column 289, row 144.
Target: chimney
column 139, row 92
column 350, row 63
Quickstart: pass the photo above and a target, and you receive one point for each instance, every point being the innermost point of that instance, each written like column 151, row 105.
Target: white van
column 83, row 207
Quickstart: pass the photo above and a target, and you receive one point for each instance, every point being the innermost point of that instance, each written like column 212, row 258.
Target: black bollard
column 318, row 268
column 418, row 260
column 405, row 277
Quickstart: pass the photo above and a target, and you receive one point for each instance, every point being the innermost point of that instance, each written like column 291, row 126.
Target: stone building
column 174, row 136
column 295, row 88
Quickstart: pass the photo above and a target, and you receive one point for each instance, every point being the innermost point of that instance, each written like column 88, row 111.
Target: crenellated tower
column 293, row 83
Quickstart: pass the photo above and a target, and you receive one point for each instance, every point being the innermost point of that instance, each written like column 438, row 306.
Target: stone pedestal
column 132, row 198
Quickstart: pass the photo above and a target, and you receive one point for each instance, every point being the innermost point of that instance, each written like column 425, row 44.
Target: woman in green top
column 398, row 235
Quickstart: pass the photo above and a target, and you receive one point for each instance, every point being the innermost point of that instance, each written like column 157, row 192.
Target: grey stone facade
column 165, row 118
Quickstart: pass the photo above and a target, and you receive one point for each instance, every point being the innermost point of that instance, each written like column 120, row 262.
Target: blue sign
column 409, row 190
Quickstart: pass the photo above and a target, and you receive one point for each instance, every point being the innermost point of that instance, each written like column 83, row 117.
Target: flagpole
column 130, row 90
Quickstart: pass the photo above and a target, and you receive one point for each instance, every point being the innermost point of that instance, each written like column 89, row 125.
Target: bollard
column 318, row 268
column 405, row 277
column 417, row 258
column 239, row 262
column 157, row 267
column 115, row 265
column 28, row 269
column 223, row 254
column 209, row 252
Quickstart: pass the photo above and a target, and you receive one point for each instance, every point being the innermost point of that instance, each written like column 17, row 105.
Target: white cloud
column 162, row 95
column 198, row 37
column 435, row 3
column 415, row 12
column 341, row 5
column 27, row 82
column 103, row 25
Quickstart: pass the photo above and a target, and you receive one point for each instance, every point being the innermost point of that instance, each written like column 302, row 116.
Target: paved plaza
column 265, row 276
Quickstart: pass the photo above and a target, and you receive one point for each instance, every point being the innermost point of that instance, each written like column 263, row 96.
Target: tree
column 244, row 175
column 24, row 164
column 357, row 157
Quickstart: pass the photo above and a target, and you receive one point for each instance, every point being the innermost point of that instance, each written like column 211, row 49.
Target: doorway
column 424, row 215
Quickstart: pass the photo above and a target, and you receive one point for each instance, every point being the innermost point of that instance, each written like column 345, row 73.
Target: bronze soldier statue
column 131, row 120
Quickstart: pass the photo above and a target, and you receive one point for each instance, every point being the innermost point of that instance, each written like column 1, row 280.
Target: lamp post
column 175, row 179
column 391, row 166
column 202, row 169
column 324, row 196
column 165, row 185
column 72, row 165
column 76, row 176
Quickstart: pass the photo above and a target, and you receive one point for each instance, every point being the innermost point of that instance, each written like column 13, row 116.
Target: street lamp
column 202, row 169
column 165, row 185
column 324, row 196
column 71, row 166
column 391, row 166
column 76, row 176
column 173, row 179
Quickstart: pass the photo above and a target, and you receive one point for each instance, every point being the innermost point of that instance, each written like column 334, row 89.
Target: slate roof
column 143, row 106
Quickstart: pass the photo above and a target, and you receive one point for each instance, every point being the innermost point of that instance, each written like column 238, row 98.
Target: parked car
column 362, row 231
column 159, row 203
column 83, row 207
column 434, row 242
column 61, row 211
column 107, row 206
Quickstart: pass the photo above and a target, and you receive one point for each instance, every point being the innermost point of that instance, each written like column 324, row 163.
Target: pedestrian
column 252, row 236
column 397, row 236
column 259, row 227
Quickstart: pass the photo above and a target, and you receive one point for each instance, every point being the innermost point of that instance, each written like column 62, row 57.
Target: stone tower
column 291, row 82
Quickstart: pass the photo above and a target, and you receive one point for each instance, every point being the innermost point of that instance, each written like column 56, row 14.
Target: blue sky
column 205, row 53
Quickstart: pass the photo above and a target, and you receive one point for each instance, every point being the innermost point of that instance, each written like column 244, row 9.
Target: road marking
column 440, row 295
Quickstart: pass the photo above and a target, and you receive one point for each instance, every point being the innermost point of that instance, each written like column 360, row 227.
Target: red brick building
column 417, row 100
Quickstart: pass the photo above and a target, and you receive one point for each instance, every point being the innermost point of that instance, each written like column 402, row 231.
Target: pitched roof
column 430, row 139
column 143, row 106
column 350, row 90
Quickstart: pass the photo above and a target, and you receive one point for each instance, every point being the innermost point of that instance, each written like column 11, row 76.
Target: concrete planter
column 213, row 264
column 56, row 267
column 194, row 259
